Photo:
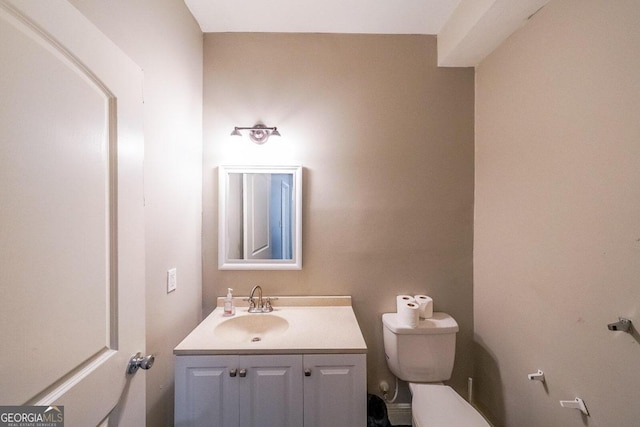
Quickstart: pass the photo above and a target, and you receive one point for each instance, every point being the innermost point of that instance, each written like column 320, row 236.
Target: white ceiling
column 323, row 16
column 467, row 30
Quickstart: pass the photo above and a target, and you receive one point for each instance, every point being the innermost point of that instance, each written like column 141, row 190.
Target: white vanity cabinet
column 335, row 390
column 301, row 365
column 319, row 390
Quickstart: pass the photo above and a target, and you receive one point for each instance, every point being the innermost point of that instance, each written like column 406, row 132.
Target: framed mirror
column 260, row 218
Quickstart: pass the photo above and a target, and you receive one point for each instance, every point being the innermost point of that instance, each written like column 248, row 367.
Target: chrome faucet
column 253, row 308
column 263, row 305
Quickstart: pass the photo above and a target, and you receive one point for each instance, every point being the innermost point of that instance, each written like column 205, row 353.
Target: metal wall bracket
column 577, row 403
column 623, row 325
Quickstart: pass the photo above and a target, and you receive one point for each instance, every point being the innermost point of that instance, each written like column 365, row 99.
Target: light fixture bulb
column 258, row 133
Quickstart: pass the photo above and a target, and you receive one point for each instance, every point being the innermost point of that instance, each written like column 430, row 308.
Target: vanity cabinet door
column 271, row 392
column 206, row 390
column 335, row 393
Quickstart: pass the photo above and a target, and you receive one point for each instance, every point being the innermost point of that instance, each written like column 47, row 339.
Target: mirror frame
column 224, row 263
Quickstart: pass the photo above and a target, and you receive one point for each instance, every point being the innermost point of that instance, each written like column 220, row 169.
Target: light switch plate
column 172, row 281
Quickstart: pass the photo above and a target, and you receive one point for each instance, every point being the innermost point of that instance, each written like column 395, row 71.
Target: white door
column 206, row 392
column 71, row 216
column 335, row 390
column 271, row 392
column 257, row 239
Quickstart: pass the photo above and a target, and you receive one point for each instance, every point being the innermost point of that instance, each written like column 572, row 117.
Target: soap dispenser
column 229, row 308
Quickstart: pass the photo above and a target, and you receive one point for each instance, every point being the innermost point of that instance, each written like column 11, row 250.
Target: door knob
column 139, row 361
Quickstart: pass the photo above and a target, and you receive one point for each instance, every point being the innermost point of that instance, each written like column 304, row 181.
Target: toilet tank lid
column 440, row 323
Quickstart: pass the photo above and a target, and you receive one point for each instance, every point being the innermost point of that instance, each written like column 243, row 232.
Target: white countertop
column 315, row 325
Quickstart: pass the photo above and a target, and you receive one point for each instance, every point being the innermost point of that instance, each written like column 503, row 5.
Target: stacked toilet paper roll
column 408, row 310
column 426, row 306
column 411, row 309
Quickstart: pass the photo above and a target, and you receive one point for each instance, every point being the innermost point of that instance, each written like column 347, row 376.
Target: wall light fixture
column 258, row 133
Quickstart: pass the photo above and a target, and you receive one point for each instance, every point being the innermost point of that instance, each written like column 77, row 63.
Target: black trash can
column 377, row 412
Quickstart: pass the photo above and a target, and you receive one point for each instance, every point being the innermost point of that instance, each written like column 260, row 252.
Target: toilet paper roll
column 403, row 299
column 426, row 306
column 408, row 314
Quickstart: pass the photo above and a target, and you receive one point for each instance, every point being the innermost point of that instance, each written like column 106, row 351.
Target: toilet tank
column 421, row 354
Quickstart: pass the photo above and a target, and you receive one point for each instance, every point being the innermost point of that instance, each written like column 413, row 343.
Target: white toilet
column 424, row 357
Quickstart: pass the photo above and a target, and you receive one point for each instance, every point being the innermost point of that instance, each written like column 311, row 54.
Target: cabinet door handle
column 233, row 372
column 243, row 373
column 307, row 372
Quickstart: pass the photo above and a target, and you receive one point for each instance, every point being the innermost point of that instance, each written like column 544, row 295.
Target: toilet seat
column 438, row 405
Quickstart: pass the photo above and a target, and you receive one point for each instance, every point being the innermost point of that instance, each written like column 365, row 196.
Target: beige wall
column 557, row 217
column 164, row 40
column 386, row 141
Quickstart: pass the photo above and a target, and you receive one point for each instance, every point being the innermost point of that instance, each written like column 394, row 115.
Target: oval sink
column 251, row 327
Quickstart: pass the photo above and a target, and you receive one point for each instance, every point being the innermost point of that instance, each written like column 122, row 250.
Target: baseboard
column 399, row 413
